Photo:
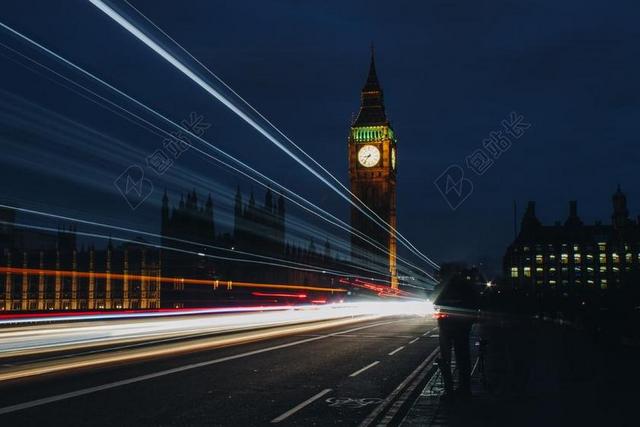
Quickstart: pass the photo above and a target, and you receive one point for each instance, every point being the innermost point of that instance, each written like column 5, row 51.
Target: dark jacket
column 458, row 299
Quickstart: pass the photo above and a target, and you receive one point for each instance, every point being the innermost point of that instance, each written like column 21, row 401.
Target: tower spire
column 371, row 99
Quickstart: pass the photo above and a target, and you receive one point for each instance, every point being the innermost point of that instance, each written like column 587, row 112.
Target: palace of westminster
column 48, row 271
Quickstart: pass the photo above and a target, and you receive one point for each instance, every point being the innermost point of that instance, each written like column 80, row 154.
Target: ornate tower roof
column 371, row 100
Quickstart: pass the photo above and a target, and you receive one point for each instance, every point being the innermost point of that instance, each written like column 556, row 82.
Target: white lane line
column 85, row 391
column 385, row 403
column 414, row 340
column 300, row 406
column 429, row 331
column 359, row 371
column 396, row 350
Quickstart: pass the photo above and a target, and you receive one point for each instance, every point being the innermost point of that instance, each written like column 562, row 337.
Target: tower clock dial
column 393, row 158
column 369, row 156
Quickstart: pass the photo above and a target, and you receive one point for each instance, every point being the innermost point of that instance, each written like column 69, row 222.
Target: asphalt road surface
column 330, row 376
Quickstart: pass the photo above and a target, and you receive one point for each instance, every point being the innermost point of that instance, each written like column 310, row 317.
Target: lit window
column 525, row 248
column 527, row 272
column 589, row 257
column 616, row 258
column 616, row 269
column 603, row 258
column 552, row 257
column 628, row 257
column 538, row 259
column 539, row 270
column 603, row 284
column 576, row 247
column 603, row 269
column 552, row 282
column 577, row 258
column 564, row 259
column 602, row 246
column 590, row 269
column 552, row 270
column 514, row 271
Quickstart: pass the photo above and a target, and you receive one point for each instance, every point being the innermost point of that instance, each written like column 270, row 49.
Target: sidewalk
column 539, row 374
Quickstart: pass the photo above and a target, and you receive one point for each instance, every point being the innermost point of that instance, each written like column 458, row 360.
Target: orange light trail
column 119, row 276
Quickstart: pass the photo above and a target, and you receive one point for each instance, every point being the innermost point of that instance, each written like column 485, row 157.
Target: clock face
column 393, row 158
column 369, row 156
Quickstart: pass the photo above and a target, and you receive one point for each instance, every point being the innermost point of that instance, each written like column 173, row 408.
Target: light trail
column 230, row 329
column 187, row 281
column 157, row 246
column 245, row 102
column 201, row 254
column 321, row 214
column 123, row 22
column 280, row 262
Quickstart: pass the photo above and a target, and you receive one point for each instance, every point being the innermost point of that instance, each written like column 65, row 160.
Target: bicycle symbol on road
column 354, row 403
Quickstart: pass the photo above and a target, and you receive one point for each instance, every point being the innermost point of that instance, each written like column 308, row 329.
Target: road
column 332, row 376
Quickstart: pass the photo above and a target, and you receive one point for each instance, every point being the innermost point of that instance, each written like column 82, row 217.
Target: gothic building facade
column 572, row 255
column 45, row 271
column 193, row 249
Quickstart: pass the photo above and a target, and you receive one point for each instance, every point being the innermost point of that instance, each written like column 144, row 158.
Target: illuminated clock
column 369, row 156
column 393, row 158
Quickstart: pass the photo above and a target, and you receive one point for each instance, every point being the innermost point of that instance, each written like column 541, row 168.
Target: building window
column 552, row 257
column 603, row 284
column 616, row 258
column 514, row 271
column 539, row 270
column 576, row 248
column 564, row 259
column 577, row 258
column 603, row 269
column 628, row 257
column 602, row 246
column 538, row 259
column 603, row 258
column 527, row 272
column 552, row 270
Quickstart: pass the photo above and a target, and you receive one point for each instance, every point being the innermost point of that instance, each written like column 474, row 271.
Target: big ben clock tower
column 372, row 172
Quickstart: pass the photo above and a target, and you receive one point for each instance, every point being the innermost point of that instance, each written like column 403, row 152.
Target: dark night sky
column 451, row 71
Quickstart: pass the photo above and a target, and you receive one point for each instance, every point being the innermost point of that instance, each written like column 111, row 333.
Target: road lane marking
column 414, row 340
column 359, row 371
column 385, row 403
column 396, row 350
column 300, row 406
column 429, row 331
column 90, row 390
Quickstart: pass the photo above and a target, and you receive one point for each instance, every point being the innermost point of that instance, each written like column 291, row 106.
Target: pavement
column 534, row 373
column 355, row 374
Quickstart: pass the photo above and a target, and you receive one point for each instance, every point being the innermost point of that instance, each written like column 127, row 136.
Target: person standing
column 457, row 306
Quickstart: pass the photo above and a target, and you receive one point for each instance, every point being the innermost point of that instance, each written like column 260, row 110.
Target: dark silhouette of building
column 372, row 172
column 258, row 230
column 573, row 255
